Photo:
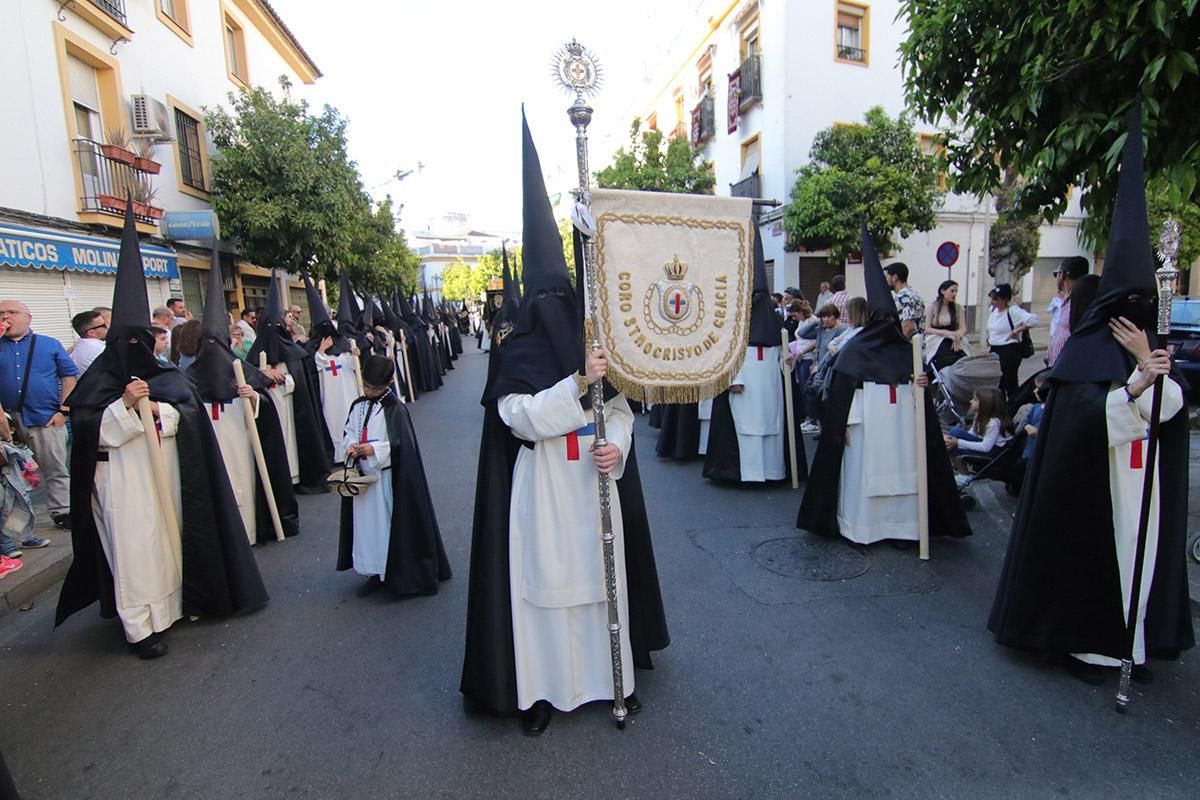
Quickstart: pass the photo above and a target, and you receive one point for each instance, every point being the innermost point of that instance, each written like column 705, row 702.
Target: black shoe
column 537, row 718
column 149, row 648
column 1091, row 674
column 632, row 704
column 373, row 583
column 62, row 520
column 1142, row 674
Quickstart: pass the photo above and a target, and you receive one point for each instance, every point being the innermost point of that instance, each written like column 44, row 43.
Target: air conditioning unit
column 150, row 117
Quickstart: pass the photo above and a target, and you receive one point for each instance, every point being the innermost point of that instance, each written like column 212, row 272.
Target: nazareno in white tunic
column 373, row 507
column 229, row 424
column 339, row 388
column 560, row 620
column 758, row 416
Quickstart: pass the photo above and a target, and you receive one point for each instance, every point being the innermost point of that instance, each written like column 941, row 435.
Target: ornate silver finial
column 577, row 70
column 1168, row 252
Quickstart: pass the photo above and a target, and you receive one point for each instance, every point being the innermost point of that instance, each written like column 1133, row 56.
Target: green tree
column 491, row 266
column 282, row 182
column 1044, row 90
column 379, row 259
column 456, row 281
column 874, row 169
column 566, row 230
column 645, row 166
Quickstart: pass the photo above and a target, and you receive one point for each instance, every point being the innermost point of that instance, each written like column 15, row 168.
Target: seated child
column 991, row 430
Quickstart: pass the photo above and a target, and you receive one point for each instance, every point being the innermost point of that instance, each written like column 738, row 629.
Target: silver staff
column 1168, row 249
column 578, row 72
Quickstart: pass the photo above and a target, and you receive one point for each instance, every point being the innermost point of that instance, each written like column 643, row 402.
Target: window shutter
column 84, row 87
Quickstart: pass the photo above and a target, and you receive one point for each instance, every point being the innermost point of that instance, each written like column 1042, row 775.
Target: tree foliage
column 456, row 280
column 875, row 170
column 646, row 166
column 1015, row 238
column 286, row 189
column 1044, row 90
column 491, row 266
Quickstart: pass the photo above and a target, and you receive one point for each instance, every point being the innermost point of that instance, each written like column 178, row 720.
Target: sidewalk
column 43, row 569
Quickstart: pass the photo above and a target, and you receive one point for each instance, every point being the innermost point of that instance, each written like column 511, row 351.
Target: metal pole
column 1166, row 275
column 578, row 72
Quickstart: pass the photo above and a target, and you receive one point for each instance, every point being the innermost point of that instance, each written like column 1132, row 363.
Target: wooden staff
column 408, row 381
column 357, row 368
column 256, row 446
column 158, row 464
column 787, row 411
column 922, row 455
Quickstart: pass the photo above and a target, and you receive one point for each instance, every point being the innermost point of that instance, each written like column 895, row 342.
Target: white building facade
column 758, row 79
column 79, row 77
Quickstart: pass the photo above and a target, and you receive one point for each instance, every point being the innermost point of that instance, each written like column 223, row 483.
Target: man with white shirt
column 91, row 329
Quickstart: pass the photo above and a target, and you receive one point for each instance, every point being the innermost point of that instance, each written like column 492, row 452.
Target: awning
column 41, row 248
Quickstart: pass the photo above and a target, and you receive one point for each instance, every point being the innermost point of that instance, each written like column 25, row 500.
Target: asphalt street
column 786, row 677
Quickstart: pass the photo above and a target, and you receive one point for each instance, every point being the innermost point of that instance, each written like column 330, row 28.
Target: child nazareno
column 389, row 532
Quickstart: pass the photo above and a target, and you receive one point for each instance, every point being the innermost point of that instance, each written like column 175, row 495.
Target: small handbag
column 348, row 479
column 1026, row 343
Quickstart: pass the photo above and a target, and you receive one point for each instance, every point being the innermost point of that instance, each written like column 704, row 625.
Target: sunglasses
column 96, row 327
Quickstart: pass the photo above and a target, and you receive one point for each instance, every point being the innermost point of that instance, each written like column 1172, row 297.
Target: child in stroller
column 988, row 450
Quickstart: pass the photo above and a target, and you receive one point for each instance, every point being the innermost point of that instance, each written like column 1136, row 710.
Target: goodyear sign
column 40, row 248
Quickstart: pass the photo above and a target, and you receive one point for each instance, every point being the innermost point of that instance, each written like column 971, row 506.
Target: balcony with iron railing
column 704, row 121
column 750, row 83
column 846, row 52
column 114, row 8
column 747, row 187
column 109, row 180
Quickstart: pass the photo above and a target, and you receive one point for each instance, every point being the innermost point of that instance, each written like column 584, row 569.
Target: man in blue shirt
column 36, row 384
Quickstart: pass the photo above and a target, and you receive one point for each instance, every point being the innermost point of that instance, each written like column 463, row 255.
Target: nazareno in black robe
column 220, row 576
column 819, row 507
column 416, row 560
column 679, row 432
column 270, row 435
column 722, row 459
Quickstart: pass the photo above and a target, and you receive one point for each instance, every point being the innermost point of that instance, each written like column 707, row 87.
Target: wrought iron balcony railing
column 848, row 53
column 704, row 121
column 108, row 182
column 114, row 8
column 747, row 187
column 750, row 87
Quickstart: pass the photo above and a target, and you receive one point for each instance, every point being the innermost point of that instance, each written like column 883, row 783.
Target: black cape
column 416, row 559
column 678, row 431
column 1060, row 588
column 818, row 508
column 722, row 459
column 220, row 576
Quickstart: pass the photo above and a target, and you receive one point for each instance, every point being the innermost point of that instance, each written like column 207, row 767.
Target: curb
column 43, row 570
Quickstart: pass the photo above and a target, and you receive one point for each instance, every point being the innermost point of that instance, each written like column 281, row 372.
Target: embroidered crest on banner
column 678, row 300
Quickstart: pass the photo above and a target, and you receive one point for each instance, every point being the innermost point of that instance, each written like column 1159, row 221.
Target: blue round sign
column 947, row 254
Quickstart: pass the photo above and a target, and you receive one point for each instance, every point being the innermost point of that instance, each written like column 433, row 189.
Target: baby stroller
column 956, row 384
column 1005, row 466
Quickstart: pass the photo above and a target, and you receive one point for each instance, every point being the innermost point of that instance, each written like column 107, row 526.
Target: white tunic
column 146, row 561
column 372, row 508
column 560, row 634
column 704, row 414
column 281, row 396
column 1128, row 427
column 758, row 416
column 229, row 423
column 878, row 489
column 339, row 388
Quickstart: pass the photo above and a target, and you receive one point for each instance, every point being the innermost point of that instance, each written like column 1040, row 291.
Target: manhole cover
column 795, row 557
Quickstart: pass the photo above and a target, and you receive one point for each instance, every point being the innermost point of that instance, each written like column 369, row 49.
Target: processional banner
column 673, row 280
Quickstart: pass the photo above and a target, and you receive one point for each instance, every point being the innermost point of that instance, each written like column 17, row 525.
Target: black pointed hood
column 130, row 303
column 1127, row 285
column 322, row 325
column 879, row 353
column 547, row 340
column 765, row 322
column 388, row 313
column 129, row 350
column 405, row 309
column 348, row 312
column 273, row 338
column 212, row 369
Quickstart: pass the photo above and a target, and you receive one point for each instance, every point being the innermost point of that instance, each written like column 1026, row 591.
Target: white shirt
column 85, row 352
column 1000, row 332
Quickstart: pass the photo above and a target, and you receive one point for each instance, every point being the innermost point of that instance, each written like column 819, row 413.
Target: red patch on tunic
column 572, row 446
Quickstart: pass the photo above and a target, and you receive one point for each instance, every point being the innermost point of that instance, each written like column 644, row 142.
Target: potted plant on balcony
column 144, row 162
column 111, row 202
column 117, row 147
column 143, row 197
